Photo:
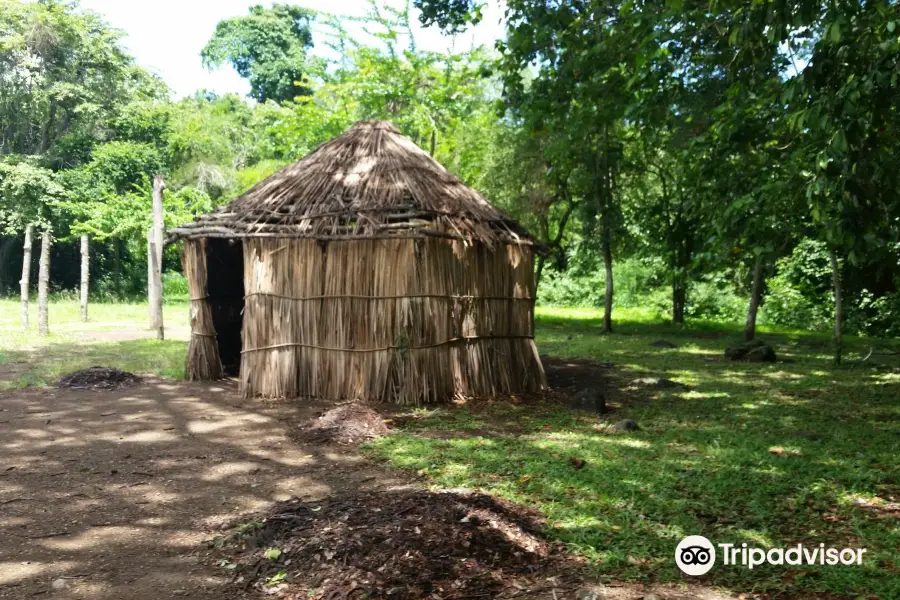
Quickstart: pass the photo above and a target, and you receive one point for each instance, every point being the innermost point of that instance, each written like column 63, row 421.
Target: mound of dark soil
column 99, row 378
column 400, row 544
column 345, row 424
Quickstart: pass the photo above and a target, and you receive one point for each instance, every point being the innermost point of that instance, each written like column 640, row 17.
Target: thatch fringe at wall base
column 203, row 362
column 406, row 321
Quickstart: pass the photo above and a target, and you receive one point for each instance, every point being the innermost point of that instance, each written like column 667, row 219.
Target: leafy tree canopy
column 269, row 47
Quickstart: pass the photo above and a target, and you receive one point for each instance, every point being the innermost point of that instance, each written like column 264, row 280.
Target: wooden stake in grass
column 151, row 281
column 154, row 258
column 26, row 274
column 155, row 286
column 44, row 284
column 85, row 274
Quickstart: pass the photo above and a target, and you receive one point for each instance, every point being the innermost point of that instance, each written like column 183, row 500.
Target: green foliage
column 799, row 295
column 28, row 195
column 269, row 48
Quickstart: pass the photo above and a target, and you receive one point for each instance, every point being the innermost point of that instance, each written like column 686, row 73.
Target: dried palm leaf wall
column 401, row 320
column 203, row 362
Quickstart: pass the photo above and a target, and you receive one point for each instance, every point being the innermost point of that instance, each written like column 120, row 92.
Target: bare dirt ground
column 111, row 494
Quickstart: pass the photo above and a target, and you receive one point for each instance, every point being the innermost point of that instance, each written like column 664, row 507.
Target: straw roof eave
column 369, row 183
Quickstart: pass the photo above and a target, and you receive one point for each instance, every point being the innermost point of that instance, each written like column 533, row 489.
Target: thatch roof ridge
column 369, row 182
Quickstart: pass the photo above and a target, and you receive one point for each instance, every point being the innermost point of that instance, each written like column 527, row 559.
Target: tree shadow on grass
column 111, row 494
column 772, row 455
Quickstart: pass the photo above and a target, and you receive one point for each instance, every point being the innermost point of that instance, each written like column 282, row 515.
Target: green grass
column 27, row 359
column 702, row 463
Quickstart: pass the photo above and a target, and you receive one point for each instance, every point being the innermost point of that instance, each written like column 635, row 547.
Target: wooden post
column 85, row 274
column 26, row 275
column 156, row 300
column 158, row 227
column 43, row 284
column 158, row 219
column 151, row 280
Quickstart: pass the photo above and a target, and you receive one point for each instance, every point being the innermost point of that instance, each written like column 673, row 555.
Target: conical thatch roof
column 370, row 182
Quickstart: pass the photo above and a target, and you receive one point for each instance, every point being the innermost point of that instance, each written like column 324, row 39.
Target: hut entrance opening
column 225, row 288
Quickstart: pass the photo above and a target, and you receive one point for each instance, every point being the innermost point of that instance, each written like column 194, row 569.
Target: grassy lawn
column 768, row 454
column 28, row 359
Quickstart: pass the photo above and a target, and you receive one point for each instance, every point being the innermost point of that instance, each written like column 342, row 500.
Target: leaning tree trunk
column 838, row 311
column 85, row 274
column 44, row 284
column 755, row 300
column 26, row 275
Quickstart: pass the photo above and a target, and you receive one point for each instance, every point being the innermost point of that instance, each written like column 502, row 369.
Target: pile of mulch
column 99, row 378
column 400, row 544
column 349, row 423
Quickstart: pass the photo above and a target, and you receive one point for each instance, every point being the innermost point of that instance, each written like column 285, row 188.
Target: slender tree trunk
column 44, row 284
column 156, row 296
column 26, row 274
column 151, row 280
column 679, row 297
column 117, row 267
column 85, row 274
column 607, row 234
column 433, row 141
column 608, row 264
column 157, row 252
column 755, row 299
column 158, row 216
column 838, row 311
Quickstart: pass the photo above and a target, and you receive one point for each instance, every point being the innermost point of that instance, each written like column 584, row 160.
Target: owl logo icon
column 695, row 555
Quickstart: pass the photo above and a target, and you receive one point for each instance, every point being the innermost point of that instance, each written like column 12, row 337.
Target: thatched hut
column 365, row 270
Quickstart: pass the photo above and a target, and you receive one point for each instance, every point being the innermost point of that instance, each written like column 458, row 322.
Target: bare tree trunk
column 44, row 284
column 157, row 248
column 152, row 292
column 85, row 274
column 608, row 264
column 158, row 218
column 156, row 294
column 838, row 311
column 26, row 274
column 755, row 299
column 679, row 297
column 117, row 267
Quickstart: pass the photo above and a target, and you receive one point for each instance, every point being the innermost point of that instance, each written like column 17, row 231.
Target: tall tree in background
column 269, row 48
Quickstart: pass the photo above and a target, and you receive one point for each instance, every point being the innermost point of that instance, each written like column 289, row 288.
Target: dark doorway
column 225, row 285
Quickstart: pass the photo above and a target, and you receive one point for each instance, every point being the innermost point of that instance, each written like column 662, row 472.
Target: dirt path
column 110, row 495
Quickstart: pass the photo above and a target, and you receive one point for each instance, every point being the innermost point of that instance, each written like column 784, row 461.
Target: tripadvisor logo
column 696, row 555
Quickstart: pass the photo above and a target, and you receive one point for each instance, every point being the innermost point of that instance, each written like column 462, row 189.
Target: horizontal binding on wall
column 386, row 348
column 397, row 297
